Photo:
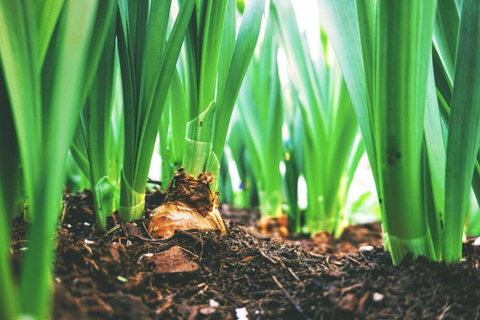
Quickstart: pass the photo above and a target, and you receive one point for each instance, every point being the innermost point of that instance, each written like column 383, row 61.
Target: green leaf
column 435, row 168
column 145, row 93
column 261, row 111
column 464, row 129
column 211, row 44
column 9, row 169
column 341, row 22
column 48, row 12
column 242, row 53
column 45, row 108
column 97, row 132
column 198, row 145
column 445, row 36
column 399, row 119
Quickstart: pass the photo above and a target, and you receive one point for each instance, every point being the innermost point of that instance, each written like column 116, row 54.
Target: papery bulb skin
column 189, row 204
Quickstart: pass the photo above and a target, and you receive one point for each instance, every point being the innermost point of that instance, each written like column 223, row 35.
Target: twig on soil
column 146, row 230
column 88, row 248
column 255, row 234
column 248, row 280
column 440, row 317
column 352, row 287
column 364, row 258
column 193, row 254
column 187, row 234
column 114, row 220
column 293, row 274
column 201, row 251
column 315, row 255
column 297, row 307
column 162, row 308
column 267, row 257
column 151, row 240
column 93, row 263
column 280, row 261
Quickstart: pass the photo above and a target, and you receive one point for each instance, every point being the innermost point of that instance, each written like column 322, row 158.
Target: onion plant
column 173, row 125
column 261, row 110
column 245, row 193
column 423, row 185
column 294, row 158
column 225, row 184
column 75, row 179
column 216, row 61
column 94, row 146
column 464, row 128
column 47, row 64
column 147, row 58
column 329, row 122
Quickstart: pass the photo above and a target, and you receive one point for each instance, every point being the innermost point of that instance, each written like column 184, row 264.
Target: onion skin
column 189, row 204
column 276, row 226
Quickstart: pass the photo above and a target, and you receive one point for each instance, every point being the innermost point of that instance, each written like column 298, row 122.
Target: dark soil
column 205, row 275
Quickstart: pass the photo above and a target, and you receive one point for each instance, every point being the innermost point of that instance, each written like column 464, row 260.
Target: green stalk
column 329, row 122
column 211, row 92
column 246, row 196
column 241, row 53
column 75, row 179
column 147, row 64
column 212, row 31
column 225, row 186
column 445, row 40
column 9, row 165
column 442, row 179
column 400, row 91
column 294, row 161
column 172, row 129
column 261, row 113
column 94, row 137
column 45, row 109
column 464, row 129
column 434, row 165
column 390, row 108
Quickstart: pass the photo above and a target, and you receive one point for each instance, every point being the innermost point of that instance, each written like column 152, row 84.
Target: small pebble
column 365, row 248
column 58, row 280
column 206, row 311
column 242, row 313
column 89, row 241
column 214, row 304
column 476, row 243
column 377, row 297
column 146, row 255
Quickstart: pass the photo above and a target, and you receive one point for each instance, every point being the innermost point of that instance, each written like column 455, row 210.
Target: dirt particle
column 174, row 260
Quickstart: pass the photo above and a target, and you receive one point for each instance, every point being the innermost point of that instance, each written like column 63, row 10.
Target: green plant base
column 399, row 247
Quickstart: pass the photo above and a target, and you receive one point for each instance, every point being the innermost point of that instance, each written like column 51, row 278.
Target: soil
column 243, row 274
